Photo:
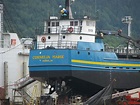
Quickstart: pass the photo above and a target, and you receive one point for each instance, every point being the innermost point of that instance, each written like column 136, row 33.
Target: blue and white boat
column 71, row 51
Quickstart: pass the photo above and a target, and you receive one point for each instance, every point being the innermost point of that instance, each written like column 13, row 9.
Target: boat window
column 80, row 37
column 73, row 23
column 88, row 53
column 81, row 23
column 76, row 23
column 48, row 23
column 49, row 30
column 54, row 23
column 57, row 23
column 80, row 28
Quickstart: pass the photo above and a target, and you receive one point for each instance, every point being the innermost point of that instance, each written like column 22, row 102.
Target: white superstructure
column 67, row 32
column 14, row 55
column 13, row 60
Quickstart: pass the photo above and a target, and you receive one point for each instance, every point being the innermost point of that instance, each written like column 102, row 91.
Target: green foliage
column 114, row 41
column 28, row 15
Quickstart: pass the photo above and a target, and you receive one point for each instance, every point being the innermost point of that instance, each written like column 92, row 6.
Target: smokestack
column 67, row 6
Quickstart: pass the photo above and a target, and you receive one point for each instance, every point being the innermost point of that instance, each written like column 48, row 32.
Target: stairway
column 23, row 82
column 20, row 95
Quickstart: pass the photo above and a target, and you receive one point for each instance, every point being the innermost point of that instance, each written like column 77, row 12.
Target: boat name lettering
column 48, row 57
column 41, row 57
column 47, row 60
column 58, row 56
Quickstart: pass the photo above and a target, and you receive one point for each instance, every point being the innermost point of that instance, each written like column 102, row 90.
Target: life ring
column 43, row 39
column 70, row 29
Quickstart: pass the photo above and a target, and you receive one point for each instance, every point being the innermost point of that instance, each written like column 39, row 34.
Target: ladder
column 35, row 100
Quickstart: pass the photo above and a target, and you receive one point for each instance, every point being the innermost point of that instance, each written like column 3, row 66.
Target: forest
column 25, row 17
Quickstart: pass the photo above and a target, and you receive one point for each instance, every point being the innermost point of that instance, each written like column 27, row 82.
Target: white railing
column 122, row 50
column 130, row 51
column 64, row 29
column 57, row 45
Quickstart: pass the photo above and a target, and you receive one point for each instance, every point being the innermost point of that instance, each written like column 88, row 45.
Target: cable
column 10, row 49
column 13, row 47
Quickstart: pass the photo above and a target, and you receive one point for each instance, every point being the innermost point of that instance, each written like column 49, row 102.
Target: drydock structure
column 14, row 72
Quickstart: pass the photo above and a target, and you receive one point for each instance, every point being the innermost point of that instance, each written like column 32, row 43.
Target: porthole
column 78, row 52
column 80, row 37
column 102, row 50
column 64, row 37
column 49, row 37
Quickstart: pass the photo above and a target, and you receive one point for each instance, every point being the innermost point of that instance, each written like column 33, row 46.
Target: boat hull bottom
column 91, row 81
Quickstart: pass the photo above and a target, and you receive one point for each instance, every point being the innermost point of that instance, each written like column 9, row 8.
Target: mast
column 127, row 20
column 67, row 6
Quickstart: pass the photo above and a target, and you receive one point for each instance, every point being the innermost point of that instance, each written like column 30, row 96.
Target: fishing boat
column 70, row 56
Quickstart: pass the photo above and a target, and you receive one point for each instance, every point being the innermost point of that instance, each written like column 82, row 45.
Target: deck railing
column 64, row 29
column 122, row 50
column 57, row 45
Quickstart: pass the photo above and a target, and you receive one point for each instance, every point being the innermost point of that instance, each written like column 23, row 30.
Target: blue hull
column 89, row 66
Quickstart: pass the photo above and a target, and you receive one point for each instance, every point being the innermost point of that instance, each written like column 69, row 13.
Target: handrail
column 22, row 82
column 64, row 29
column 57, row 45
column 122, row 50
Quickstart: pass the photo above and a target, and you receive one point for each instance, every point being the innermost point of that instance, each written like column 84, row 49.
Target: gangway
column 20, row 92
column 23, row 82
